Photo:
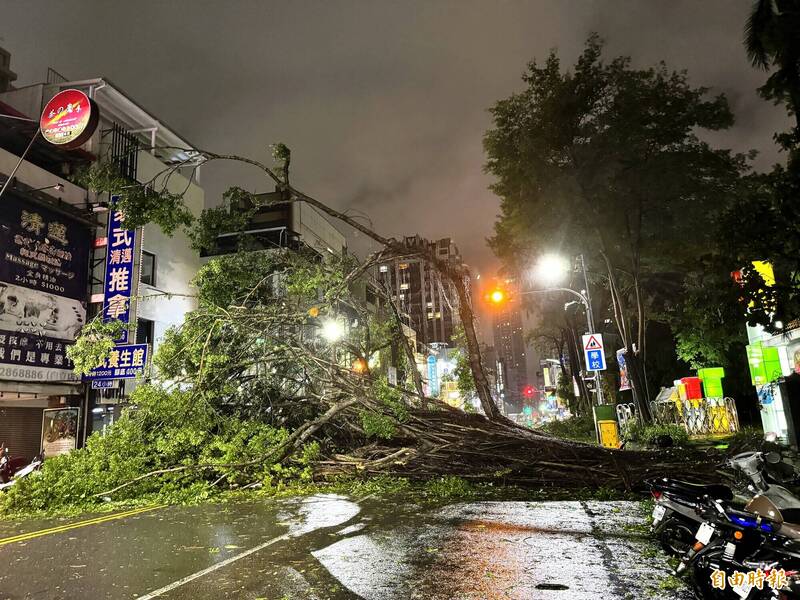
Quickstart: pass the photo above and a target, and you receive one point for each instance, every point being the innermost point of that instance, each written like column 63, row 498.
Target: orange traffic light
column 497, row 296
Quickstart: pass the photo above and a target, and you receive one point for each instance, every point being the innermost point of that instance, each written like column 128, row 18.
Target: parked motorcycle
column 757, row 543
column 12, row 470
column 9, row 465
column 677, row 513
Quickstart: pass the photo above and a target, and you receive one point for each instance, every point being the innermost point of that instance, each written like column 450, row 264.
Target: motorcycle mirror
column 772, row 458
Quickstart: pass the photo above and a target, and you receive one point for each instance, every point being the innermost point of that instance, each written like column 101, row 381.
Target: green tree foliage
column 141, row 204
column 169, row 430
column 762, row 224
column 772, row 42
column 565, row 391
column 93, row 345
column 243, row 389
column 608, row 160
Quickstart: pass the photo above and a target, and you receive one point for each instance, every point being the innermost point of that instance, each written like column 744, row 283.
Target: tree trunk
column 585, row 399
column 482, row 387
column 415, row 376
column 637, row 385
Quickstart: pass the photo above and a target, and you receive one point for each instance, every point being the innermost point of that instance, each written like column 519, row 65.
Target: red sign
column 69, row 119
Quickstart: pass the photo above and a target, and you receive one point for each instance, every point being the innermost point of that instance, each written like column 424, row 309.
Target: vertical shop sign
column 119, row 271
column 433, row 376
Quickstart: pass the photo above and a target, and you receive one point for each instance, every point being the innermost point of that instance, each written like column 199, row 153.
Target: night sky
column 383, row 103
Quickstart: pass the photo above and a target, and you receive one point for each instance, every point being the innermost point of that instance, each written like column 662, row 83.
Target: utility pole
column 590, row 321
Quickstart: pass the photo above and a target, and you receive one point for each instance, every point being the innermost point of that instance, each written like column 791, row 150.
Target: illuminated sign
column 123, row 362
column 69, row 119
column 433, row 376
column 119, row 271
column 42, row 290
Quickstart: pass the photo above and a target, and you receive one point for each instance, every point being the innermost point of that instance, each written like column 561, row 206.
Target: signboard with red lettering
column 69, row 119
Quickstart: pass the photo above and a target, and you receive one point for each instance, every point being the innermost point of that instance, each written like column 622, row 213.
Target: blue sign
column 126, row 361
column 433, row 376
column 593, row 352
column 104, row 384
column 118, row 285
column 596, row 362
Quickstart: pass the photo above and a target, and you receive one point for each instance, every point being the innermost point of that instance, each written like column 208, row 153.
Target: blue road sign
column 593, row 352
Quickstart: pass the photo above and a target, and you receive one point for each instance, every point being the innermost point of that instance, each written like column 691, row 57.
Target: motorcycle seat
column 685, row 488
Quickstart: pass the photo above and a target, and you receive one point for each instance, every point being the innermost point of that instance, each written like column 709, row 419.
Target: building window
column 403, row 286
column 144, row 331
column 383, row 268
column 402, row 266
column 148, row 268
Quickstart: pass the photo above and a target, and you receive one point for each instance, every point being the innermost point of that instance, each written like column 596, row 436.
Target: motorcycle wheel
column 700, row 577
column 676, row 537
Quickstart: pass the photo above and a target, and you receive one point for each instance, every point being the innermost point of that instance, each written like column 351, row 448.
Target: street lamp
column 332, row 330
column 551, row 269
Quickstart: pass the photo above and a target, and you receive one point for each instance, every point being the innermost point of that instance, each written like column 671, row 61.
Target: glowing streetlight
column 332, row 330
column 552, row 269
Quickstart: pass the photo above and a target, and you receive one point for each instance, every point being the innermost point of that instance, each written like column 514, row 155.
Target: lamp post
column 552, row 268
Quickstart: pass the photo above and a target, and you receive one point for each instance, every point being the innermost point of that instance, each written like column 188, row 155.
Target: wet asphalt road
column 331, row 547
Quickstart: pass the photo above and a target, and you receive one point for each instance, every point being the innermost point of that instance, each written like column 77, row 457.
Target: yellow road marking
column 34, row 534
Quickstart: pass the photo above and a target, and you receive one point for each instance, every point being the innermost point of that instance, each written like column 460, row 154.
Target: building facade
column 511, row 355
column 143, row 150
column 420, row 292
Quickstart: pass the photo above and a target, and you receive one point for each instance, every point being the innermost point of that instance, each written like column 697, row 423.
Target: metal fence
column 124, row 151
column 706, row 416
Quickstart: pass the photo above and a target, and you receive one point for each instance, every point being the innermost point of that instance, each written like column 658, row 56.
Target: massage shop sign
column 125, row 360
column 43, row 269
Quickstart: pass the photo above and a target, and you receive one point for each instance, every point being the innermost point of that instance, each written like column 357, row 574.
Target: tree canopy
column 608, row 160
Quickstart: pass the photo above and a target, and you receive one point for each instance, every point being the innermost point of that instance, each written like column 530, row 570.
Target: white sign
column 593, row 352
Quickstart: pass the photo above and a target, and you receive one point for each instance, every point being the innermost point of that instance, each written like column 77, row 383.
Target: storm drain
column 552, row 586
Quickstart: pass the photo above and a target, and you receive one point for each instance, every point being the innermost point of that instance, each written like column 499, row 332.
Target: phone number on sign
column 34, row 374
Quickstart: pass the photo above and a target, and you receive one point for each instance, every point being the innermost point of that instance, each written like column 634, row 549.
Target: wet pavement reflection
column 332, row 547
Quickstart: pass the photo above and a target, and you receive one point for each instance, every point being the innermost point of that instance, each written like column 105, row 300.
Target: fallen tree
column 247, row 390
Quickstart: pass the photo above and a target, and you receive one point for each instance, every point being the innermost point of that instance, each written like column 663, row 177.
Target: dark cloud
column 383, row 103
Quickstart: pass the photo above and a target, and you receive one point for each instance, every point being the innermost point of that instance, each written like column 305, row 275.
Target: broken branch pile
column 444, row 442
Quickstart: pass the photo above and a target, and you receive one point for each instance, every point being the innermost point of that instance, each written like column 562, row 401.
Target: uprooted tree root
column 440, row 443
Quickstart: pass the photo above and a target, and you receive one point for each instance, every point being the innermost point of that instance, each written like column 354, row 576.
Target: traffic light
column 528, row 391
column 496, row 296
